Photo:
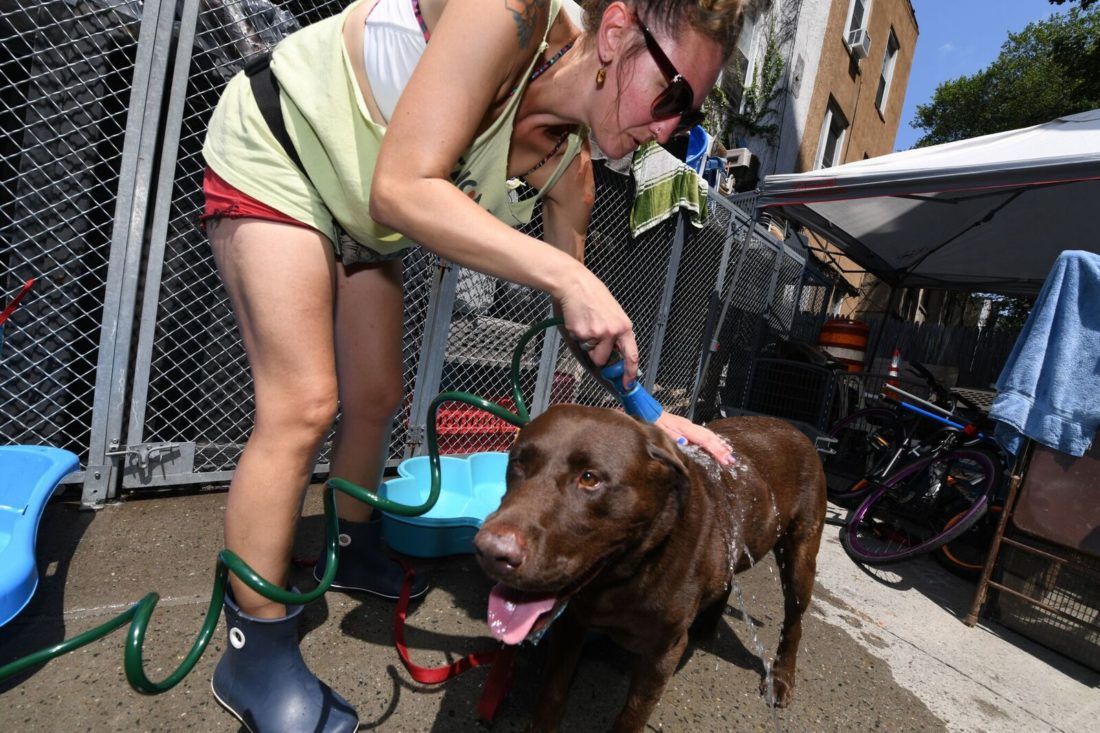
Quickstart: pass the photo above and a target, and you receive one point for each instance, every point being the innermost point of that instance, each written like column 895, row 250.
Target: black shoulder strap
column 266, row 91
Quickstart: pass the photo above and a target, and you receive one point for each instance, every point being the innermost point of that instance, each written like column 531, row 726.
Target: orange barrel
column 845, row 340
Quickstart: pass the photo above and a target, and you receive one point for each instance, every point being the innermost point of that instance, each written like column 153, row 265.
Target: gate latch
column 143, row 451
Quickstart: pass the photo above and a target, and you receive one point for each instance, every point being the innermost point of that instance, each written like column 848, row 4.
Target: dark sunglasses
column 678, row 97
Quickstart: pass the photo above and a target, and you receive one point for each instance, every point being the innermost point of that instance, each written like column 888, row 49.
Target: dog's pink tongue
column 512, row 612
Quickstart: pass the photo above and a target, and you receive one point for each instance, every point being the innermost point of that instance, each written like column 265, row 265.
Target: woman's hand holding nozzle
column 636, row 400
column 593, row 318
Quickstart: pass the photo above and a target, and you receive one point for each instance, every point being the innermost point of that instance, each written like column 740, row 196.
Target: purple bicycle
column 872, row 442
column 906, row 510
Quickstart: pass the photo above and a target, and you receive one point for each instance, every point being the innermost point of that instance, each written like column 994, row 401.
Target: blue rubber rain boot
column 263, row 680
column 364, row 563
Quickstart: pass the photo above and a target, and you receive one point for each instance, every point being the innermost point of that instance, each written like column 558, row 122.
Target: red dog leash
column 496, row 684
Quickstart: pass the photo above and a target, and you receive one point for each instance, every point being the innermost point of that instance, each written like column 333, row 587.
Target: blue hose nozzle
column 636, row 400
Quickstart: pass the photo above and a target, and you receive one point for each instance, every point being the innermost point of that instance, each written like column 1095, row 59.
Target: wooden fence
column 978, row 354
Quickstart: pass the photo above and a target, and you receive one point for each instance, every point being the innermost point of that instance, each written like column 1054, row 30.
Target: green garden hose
column 139, row 614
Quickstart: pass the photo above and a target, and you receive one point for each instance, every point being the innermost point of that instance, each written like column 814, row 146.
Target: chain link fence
column 66, row 70
column 127, row 354
column 775, row 295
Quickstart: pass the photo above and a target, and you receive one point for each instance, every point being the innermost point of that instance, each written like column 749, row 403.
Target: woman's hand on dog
column 683, row 430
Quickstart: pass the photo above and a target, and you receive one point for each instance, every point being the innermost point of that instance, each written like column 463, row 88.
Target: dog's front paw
column 782, row 691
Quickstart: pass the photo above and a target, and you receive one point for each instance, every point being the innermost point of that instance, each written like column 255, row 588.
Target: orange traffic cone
column 895, row 363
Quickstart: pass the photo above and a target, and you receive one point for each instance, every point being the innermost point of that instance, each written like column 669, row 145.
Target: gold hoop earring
column 601, row 76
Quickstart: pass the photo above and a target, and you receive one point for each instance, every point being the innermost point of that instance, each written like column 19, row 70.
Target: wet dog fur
column 636, row 534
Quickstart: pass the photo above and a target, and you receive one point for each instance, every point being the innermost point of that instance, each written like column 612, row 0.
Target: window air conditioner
column 741, row 171
column 859, row 43
column 738, row 158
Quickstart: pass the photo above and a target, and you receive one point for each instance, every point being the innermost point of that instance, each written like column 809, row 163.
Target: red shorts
column 223, row 200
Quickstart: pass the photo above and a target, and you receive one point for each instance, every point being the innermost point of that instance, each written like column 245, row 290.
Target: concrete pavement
column 878, row 653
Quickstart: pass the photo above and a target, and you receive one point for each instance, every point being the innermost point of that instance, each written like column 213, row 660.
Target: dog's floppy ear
column 663, row 451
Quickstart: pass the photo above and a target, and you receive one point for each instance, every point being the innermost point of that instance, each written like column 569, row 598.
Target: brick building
column 844, row 70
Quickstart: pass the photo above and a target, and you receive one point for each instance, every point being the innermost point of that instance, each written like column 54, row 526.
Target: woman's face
column 621, row 125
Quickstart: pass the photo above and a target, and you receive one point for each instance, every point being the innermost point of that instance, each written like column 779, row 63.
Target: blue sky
column 957, row 38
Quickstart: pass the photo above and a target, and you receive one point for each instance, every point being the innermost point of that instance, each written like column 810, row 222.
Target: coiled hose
column 139, row 615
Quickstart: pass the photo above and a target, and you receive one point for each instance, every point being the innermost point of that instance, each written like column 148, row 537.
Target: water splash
column 757, row 648
column 705, row 460
column 732, row 544
column 733, row 538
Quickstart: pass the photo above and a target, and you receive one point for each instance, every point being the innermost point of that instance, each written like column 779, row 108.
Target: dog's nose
column 503, row 550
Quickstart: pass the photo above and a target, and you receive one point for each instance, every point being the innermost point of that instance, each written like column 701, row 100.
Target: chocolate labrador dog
column 606, row 524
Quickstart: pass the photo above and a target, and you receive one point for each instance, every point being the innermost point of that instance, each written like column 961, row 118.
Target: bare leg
column 369, row 323
column 279, row 279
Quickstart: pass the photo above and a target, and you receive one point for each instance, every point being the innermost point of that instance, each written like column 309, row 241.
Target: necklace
column 553, row 151
column 534, row 75
column 565, row 135
column 545, row 65
column 550, row 61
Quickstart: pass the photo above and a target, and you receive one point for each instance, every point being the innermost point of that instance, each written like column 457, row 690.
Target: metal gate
column 127, row 352
column 81, row 96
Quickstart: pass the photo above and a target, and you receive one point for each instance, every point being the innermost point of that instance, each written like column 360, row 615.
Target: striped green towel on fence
column 664, row 185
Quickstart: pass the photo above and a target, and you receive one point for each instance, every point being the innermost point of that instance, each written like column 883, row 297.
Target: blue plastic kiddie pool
column 471, row 488
column 28, row 476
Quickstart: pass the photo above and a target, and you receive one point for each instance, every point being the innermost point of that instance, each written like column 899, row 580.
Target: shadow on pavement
column 41, row 624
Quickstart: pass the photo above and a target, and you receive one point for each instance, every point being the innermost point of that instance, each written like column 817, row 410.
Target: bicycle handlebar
column 941, row 388
column 922, row 371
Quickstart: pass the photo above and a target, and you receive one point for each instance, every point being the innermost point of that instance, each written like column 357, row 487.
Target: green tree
column 1084, row 3
column 1009, row 313
column 1049, row 69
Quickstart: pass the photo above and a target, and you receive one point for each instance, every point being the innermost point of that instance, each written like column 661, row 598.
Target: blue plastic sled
column 28, row 476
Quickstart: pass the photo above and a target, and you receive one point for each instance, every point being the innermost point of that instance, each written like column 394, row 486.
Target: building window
column 743, row 58
column 888, row 63
column 831, row 145
column 858, row 12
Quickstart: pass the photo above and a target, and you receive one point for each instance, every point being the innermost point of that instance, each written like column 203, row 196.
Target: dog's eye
column 589, row 480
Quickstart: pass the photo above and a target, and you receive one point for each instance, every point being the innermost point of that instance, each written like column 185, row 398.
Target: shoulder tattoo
column 526, row 14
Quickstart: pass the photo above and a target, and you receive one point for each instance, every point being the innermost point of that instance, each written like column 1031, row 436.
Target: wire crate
column 792, row 390
column 1046, row 580
column 1050, row 595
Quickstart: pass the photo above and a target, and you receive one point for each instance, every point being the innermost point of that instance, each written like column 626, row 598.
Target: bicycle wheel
column 866, row 442
column 965, row 555
column 906, row 515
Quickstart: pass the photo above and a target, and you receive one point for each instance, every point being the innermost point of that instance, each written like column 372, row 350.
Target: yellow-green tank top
column 338, row 142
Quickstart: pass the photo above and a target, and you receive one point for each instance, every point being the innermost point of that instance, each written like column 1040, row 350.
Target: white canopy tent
column 986, row 214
